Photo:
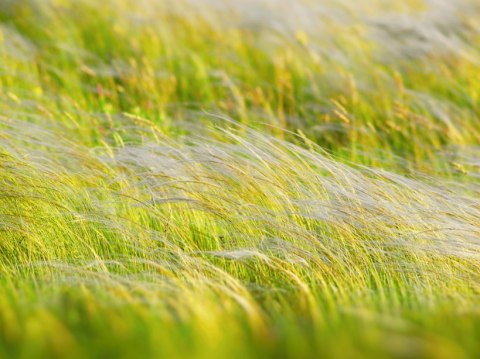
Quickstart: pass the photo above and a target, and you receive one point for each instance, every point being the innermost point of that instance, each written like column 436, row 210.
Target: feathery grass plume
column 248, row 225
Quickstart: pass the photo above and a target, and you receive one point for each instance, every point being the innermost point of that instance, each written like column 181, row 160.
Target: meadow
column 239, row 179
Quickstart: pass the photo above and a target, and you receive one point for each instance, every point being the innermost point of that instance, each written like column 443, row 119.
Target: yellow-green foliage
column 246, row 179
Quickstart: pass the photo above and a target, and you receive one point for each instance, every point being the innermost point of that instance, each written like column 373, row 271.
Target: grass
column 242, row 179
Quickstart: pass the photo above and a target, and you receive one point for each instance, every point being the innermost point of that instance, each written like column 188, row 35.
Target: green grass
column 239, row 179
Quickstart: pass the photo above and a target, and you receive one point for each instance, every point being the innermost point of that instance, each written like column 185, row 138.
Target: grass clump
column 186, row 179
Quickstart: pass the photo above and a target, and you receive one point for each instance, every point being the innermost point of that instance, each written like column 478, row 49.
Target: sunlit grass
column 239, row 179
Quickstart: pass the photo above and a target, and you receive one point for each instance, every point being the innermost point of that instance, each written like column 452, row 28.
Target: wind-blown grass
column 330, row 210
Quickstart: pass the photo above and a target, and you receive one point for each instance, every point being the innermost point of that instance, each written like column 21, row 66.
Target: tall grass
column 239, row 179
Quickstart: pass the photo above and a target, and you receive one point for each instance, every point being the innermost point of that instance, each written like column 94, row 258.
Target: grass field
column 239, row 179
